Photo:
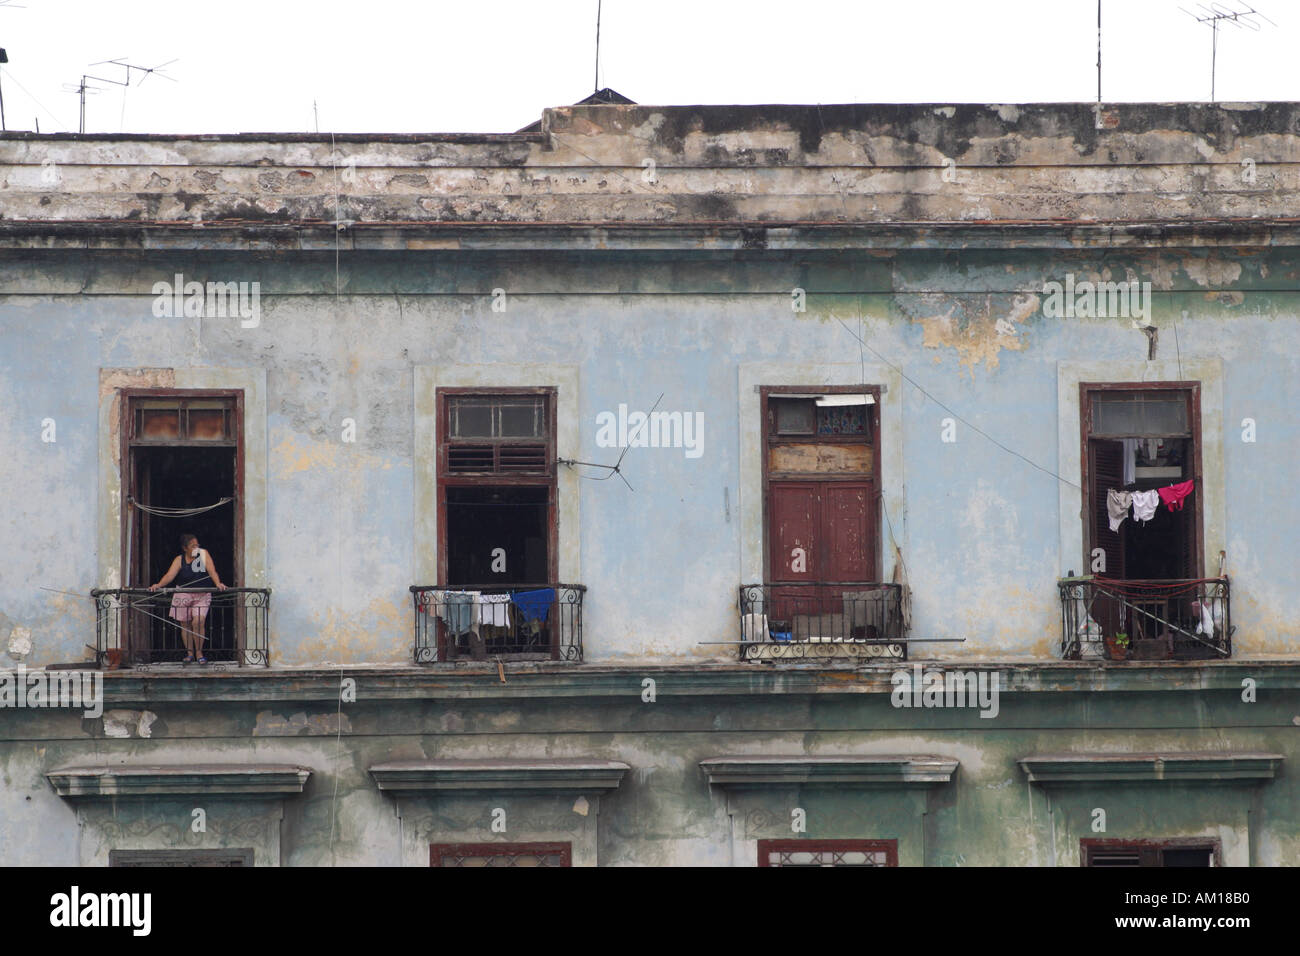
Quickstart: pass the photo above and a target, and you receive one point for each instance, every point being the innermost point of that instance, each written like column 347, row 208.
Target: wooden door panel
column 1107, row 472
column 795, row 517
column 846, row 532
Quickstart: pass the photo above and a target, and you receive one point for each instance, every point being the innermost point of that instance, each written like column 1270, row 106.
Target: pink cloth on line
column 1173, row 495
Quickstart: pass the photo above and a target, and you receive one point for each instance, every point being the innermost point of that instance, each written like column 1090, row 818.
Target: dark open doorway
column 497, row 535
column 184, row 477
column 181, row 451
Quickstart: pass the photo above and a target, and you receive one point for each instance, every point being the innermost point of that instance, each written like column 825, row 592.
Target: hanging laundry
column 1206, row 625
column 1173, row 495
column 1144, row 505
column 1117, row 505
column 1129, row 471
column 457, row 610
column 534, row 605
column 493, row 609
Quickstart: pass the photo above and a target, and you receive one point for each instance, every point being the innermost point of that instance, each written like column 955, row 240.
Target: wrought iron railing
column 479, row 621
column 136, row 627
column 1104, row 618
column 860, row 619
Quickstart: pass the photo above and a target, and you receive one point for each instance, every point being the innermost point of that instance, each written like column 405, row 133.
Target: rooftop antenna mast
column 597, row 86
column 1217, row 13
column 83, row 87
column 4, row 58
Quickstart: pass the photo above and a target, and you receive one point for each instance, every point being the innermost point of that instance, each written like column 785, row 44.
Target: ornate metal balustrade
column 860, row 619
column 478, row 621
column 1161, row 620
column 136, row 627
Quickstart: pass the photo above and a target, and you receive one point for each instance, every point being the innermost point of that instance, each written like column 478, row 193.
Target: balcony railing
column 136, row 627
column 861, row 619
column 478, row 621
column 1162, row 620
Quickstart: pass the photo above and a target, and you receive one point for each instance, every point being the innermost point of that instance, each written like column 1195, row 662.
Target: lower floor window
column 500, row 854
column 1149, row 853
column 828, row 853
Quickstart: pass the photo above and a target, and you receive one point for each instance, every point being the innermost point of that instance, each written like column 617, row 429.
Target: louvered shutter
column 1107, row 472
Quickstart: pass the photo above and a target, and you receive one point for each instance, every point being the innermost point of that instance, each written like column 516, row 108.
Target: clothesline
column 1144, row 503
column 462, row 610
column 165, row 512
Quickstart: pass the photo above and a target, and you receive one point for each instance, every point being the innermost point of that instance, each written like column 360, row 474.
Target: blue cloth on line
column 534, row 605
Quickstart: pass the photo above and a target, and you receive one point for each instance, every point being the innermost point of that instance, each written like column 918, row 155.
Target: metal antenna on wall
column 83, row 87
column 614, row 468
column 1217, row 13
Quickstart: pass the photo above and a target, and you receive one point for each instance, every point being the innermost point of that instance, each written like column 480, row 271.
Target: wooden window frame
column 767, row 847
column 459, row 479
column 771, row 438
column 1088, row 846
column 1193, row 396
column 128, row 441
column 436, row 850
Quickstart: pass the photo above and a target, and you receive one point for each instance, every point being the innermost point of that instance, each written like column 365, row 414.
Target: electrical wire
column 975, row 428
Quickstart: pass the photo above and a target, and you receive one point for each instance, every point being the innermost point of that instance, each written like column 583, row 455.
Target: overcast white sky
column 493, row 65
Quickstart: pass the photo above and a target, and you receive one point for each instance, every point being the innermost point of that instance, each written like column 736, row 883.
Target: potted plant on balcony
column 1118, row 646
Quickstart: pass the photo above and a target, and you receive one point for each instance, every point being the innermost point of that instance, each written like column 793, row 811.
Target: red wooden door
column 849, row 554
column 820, row 532
column 795, row 518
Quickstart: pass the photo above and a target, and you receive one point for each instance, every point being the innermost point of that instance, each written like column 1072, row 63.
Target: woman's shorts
column 187, row 606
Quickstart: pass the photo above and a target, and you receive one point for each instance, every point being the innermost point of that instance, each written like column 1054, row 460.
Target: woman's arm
column 212, row 570
column 171, row 573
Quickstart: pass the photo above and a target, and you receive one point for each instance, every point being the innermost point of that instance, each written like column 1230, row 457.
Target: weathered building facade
column 614, row 493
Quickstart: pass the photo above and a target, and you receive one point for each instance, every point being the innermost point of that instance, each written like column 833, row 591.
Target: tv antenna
column 83, row 88
column 614, row 468
column 597, row 86
column 1217, row 13
column 4, row 58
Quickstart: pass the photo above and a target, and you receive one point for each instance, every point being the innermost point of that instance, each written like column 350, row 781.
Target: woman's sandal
column 203, row 660
column 188, row 660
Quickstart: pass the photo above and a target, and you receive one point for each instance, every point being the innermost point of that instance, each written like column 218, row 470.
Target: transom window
column 822, row 415
column 505, row 433
column 1140, row 414
column 497, row 416
column 174, row 420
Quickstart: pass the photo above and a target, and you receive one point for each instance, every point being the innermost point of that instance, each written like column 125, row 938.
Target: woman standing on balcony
column 191, row 569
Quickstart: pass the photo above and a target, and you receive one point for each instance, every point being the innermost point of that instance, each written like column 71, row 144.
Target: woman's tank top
column 190, row 575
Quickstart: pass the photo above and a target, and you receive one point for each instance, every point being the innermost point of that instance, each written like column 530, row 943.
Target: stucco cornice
column 548, row 775
column 559, row 681
column 1171, row 767
column 237, row 780
column 29, row 236
column 852, row 770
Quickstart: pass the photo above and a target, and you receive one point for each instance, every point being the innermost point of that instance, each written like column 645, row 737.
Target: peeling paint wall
column 348, row 527
column 664, row 812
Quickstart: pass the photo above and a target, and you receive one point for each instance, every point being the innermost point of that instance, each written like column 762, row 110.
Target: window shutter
column 1188, row 563
column 1107, row 472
